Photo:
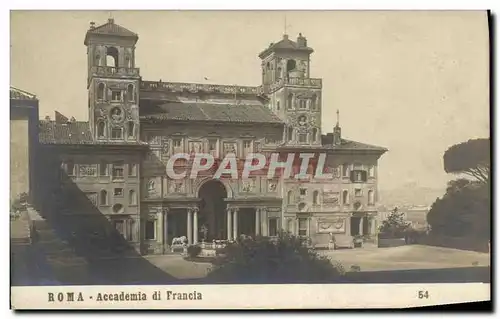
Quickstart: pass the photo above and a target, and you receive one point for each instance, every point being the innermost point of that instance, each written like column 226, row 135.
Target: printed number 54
column 423, row 294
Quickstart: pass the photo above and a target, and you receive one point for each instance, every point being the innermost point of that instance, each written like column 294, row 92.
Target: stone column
column 195, row 225
column 229, row 224
column 257, row 221
column 265, row 228
column 235, row 224
column 189, row 226
column 361, row 221
column 165, row 229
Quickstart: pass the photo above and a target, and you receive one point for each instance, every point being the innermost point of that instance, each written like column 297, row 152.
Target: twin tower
column 114, row 86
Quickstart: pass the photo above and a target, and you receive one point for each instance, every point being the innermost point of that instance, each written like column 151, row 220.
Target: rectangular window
column 358, row 176
column 70, row 168
column 358, row 192
column 302, row 104
column 303, row 191
column 302, row 138
column 345, row 170
column 212, row 147
column 303, row 227
column 118, row 171
column 371, row 171
column 116, row 95
column 103, row 169
column 116, row 133
column 273, row 227
column 150, row 230
column 247, row 148
column 132, row 169
column 119, row 192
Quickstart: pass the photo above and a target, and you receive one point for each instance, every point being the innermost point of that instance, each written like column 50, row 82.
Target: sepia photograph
column 215, row 159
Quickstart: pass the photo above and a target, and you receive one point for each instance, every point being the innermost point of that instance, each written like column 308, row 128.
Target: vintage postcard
column 218, row 159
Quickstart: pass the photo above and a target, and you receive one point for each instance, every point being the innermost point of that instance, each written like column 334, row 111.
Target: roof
column 70, row 133
column 217, row 112
column 111, row 28
column 327, row 141
column 285, row 44
column 17, row 94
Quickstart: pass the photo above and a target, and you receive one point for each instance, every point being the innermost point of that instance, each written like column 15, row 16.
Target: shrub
column 280, row 260
column 193, row 251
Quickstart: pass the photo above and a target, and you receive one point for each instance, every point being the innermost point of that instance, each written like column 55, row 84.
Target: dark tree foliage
column 395, row 225
column 464, row 211
column 471, row 158
column 264, row 260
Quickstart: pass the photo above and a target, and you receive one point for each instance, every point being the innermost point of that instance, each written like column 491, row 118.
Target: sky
column 413, row 82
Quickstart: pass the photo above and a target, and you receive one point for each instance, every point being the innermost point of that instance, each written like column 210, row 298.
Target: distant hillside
column 409, row 195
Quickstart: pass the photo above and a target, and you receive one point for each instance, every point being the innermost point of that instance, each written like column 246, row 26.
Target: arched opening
column 290, row 101
column 101, row 129
column 103, row 197
column 132, row 197
column 314, row 135
column 130, row 92
column 130, row 129
column 112, row 57
column 290, row 134
column 289, row 197
column 371, row 197
column 212, row 219
column 315, row 197
column 345, row 197
column 291, row 65
column 100, row 91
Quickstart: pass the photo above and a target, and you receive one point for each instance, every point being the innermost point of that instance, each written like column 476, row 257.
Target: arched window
column 268, row 65
column 130, row 93
column 132, row 197
column 371, row 197
column 314, row 135
column 345, row 197
column 279, row 72
column 345, row 170
column 130, row 129
column 290, row 134
column 290, row 101
column 98, row 60
column 127, row 62
column 103, row 197
column 289, row 197
column 151, row 185
column 290, row 65
column 101, row 129
column 315, row 198
column 112, row 57
column 278, row 105
column 101, row 88
column 313, row 102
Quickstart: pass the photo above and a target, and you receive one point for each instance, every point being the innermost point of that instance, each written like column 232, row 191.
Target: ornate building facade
column 117, row 160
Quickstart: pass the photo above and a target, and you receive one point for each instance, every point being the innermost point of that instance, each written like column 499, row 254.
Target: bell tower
column 112, row 83
column 295, row 96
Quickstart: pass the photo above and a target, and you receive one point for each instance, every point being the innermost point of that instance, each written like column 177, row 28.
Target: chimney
column 337, row 132
column 285, row 36
column 47, row 118
column 111, row 20
column 301, row 41
column 92, row 25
